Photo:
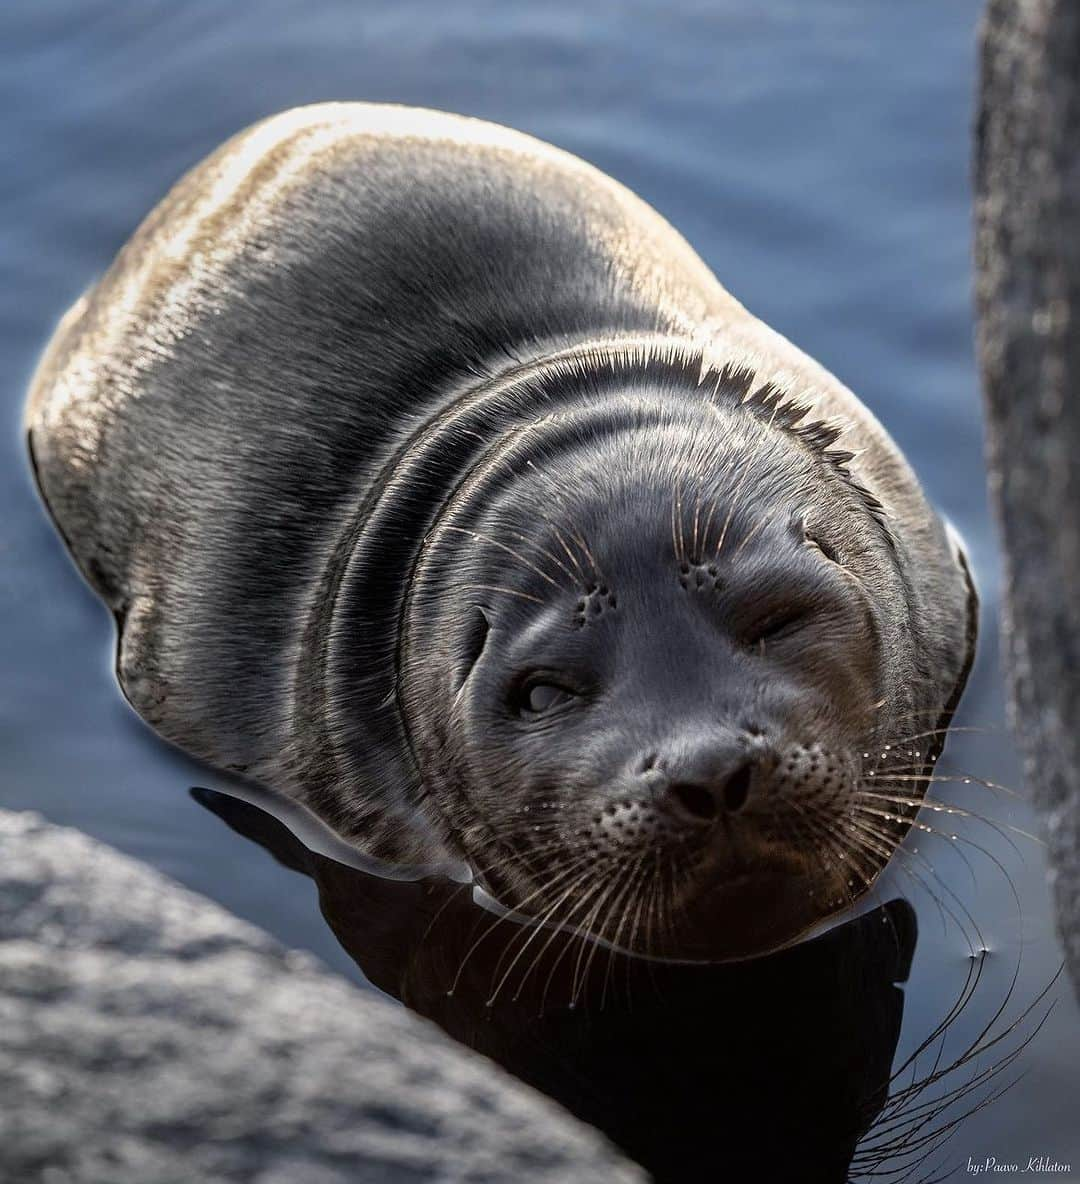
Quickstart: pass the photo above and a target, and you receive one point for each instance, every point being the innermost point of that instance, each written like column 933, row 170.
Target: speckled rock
column 148, row 1037
column 1028, row 257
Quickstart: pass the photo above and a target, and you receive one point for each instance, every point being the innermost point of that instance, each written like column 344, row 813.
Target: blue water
column 816, row 154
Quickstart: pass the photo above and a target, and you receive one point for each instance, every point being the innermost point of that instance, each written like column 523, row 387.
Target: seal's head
column 656, row 651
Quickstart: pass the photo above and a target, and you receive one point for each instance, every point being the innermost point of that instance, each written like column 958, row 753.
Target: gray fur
column 226, row 428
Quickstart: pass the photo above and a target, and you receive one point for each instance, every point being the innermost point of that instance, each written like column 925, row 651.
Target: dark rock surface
column 147, row 1037
column 1028, row 259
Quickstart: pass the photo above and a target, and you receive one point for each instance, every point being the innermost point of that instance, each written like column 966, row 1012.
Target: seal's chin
column 754, row 913
column 691, row 903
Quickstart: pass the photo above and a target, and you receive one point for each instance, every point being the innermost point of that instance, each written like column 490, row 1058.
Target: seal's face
column 666, row 680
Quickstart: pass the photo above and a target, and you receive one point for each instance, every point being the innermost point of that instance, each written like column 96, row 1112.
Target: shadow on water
column 778, row 1068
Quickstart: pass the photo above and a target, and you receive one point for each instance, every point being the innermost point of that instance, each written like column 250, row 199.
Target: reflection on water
column 775, row 1069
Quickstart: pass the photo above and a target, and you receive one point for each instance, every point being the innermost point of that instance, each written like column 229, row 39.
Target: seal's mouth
column 713, row 895
column 749, row 915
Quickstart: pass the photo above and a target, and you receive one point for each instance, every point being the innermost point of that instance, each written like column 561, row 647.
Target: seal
column 434, row 481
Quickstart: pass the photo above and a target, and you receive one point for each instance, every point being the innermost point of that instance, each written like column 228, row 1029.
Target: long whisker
column 674, row 529
column 537, row 928
column 904, row 853
column 544, row 551
column 951, row 729
column 743, row 472
column 497, row 588
column 680, row 549
column 957, row 778
column 558, row 929
column 600, row 925
column 833, row 842
column 484, row 538
column 945, row 912
column 738, row 488
column 754, row 530
column 578, row 935
column 903, row 1132
column 632, row 878
column 642, row 893
column 562, row 930
column 935, row 806
column 491, row 928
column 569, row 554
column 578, row 538
column 587, row 944
column 697, row 518
column 713, row 503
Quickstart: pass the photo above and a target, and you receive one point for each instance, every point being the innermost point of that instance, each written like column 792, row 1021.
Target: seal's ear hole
column 823, row 545
column 474, row 640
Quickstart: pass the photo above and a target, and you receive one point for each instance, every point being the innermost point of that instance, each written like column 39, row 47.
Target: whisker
column 491, row 928
column 938, row 807
column 544, row 551
column 536, row 929
column 745, row 469
column 713, row 503
column 497, row 588
column 569, row 554
column 564, row 930
column 950, row 729
column 697, row 515
column 754, row 530
column 478, row 537
column 577, row 935
column 587, row 943
column 600, row 925
column 904, row 853
column 903, row 1132
column 557, row 929
column 835, row 843
column 680, row 550
column 947, row 778
column 629, row 891
column 577, row 537
column 742, row 479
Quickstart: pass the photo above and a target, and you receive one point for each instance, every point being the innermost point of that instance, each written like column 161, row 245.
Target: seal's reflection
column 768, row 1070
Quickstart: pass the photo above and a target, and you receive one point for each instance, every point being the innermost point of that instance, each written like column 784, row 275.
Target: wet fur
column 216, row 423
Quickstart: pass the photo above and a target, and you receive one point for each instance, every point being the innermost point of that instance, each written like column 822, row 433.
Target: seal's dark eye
column 538, row 697
column 777, row 625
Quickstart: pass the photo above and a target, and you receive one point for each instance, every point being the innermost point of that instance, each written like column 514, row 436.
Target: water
column 817, row 157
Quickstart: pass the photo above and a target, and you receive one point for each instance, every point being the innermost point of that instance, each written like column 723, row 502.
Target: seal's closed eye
column 777, row 624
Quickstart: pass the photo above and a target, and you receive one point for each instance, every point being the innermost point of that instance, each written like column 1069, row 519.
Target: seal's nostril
column 695, row 800
column 737, row 789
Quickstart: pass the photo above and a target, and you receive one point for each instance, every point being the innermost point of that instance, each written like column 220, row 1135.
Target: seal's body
column 434, row 480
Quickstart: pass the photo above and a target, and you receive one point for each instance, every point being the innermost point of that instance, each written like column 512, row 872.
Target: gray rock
column 147, row 1037
column 1028, row 258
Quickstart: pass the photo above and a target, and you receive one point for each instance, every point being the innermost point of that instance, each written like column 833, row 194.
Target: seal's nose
column 703, row 803
column 700, row 780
